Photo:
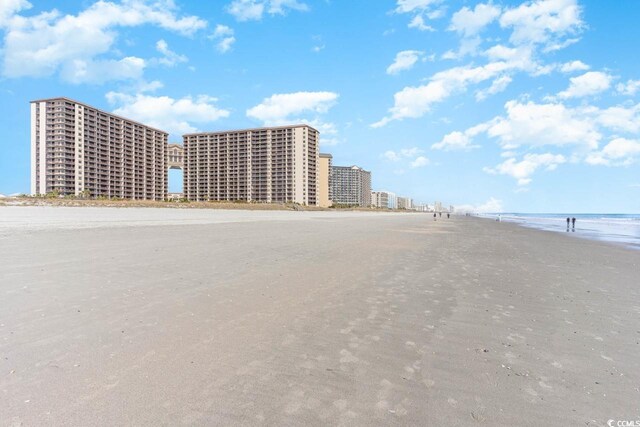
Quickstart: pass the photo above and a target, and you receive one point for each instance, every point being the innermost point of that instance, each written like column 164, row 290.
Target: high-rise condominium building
column 277, row 164
column 324, row 180
column 78, row 149
column 351, row 185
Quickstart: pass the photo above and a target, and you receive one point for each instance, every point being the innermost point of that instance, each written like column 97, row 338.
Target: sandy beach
column 199, row 317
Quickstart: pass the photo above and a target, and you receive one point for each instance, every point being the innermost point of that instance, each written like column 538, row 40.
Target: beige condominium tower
column 324, row 180
column 269, row 165
column 77, row 149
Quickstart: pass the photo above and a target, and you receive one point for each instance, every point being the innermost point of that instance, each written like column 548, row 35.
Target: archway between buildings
column 175, row 165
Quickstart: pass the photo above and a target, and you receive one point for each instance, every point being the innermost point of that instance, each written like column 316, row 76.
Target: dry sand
column 310, row 318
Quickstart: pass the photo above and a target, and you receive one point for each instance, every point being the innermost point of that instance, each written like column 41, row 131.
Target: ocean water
column 619, row 228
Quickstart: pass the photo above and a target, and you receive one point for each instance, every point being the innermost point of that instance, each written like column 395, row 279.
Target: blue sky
column 505, row 105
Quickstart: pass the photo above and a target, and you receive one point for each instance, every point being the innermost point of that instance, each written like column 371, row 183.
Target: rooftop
column 97, row 109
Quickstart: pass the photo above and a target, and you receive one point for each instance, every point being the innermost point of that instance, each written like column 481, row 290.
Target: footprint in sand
column 347, row 357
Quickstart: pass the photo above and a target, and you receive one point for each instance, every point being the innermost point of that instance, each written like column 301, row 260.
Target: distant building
column 379, row 199
column 437, row 207
column 405, row 203
column 393, row 200
column 175, row 156
column 77, row 149
column 269, row 165
column 452, row 208
column 324, row 180
column 351, row 185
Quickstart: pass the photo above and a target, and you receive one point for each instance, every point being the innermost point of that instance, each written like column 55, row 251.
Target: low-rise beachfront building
column 77, row 149
column 393, row 200
column 379, row 199
column 405, row 203
column 324, row 180
column 267, row 165
column 351, row 185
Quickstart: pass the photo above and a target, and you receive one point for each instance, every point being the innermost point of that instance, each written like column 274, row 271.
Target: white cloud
column 498, row 85
column 523, row 169
column 328, row 130
column 152, row 86
column 224, row 36
column 392, row 156
column 492, row 205
column 176, row 116
column 170, row 58
column 468, row 46
column 253, row 10
column 453, row 141
column 569, row 67
column 542, row 21
column 619, row 118
column 318, row 44
column 405, row 60
column 413, row 102
column 411, row 155
column 535, row 26
column 279, row 7
column 590, row 83
column 410, row 152
column 42, row 44
column 460, row 140
column 560, row 44
column 420, row 162
column 629, row 88
column 404, row 153
column 419, row 9
column 246, row 10
column 537, row 125
column 618, row 152
column 299, row 107
column 532, row 126
column 470, row 22
column 8, row 8
column 418, row 23
column 554, row 124
column 279, row 108
column 80, row 71
column 410, row 6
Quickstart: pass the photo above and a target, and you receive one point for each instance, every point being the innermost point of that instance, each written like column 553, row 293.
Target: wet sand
column 311, row 318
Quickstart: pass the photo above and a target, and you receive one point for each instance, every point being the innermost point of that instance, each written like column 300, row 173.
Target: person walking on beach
column 568, row 220
column 447, row 216
column 573, row 223
column 434, row 216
